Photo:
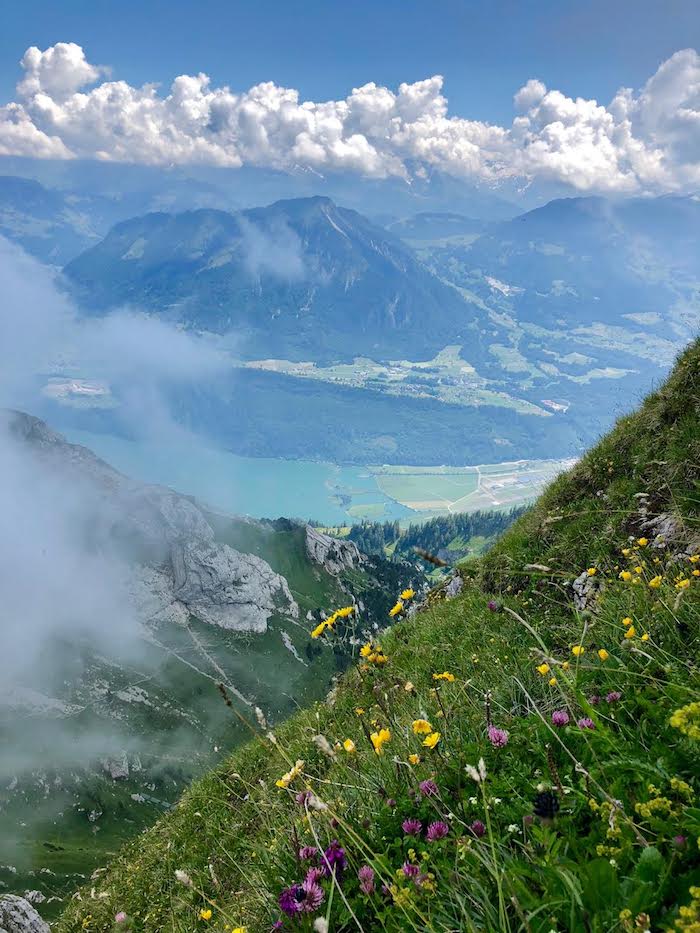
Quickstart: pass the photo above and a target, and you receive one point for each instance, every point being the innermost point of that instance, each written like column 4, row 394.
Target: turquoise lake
column 261, row 488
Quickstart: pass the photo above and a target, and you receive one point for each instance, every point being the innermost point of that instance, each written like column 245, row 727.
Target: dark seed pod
column 546, row 805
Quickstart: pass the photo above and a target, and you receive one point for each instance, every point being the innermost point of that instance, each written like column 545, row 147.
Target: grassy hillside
column 559, row 692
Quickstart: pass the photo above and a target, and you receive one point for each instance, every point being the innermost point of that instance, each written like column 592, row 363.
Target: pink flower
column 412, row 827
column 437, row 830
column 498, row 737
column 120, row 917
column 478, row 828
column 613, row 696
column 366, row 879
column 585, row 723
column 428, row 788
column 560, row 717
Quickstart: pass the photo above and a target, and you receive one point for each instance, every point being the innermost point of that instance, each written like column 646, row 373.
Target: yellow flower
column 565, row 666
column 603, row 654
column 696, row 572
column 345, row 612
column 421, row 727
column 642, row 542
column 331, row 620
column 577, row 651
column 379, row 739
column 626, row 551
column 655, row 582
column 408, row 594
column 430, row 741
column 408, row 687
column 627, row 621
column 414, row 759
column 444, row 676
column 543, row 669
column 552, row 681
column 683, row 584
column 645, row 636
column 366, row 650
column 319, row 630
column 638, row 569
column 396, row 608
column 359, row 711
column 287, row 778
column 349, row 746
column 240, row 930
column 687, row 719
column 592, row 571
column 694, row 559
column 205, row 914
column 631, row 632
column 625, row 575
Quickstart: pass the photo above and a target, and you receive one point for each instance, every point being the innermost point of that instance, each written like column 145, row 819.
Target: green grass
column 610, row 857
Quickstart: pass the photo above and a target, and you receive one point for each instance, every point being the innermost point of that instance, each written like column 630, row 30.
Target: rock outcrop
column 332, row 554
column 18, row 916
column 175, row 566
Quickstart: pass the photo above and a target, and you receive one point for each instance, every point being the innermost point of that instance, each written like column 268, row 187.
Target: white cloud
column 648, row 140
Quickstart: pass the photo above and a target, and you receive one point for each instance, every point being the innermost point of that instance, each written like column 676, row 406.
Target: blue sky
column 565, row 61
column 485, row 50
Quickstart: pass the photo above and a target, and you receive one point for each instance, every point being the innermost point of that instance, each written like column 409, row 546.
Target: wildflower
column 379, row 739
column 687, row 721
column 412, row 827
column 478, row 829
column 120, row 917
column 645, row 636
column 320, row 925
column 642, row 542
column 430, row 741
column 366, row 650
column 679, row 842
column 594, row 699
column 585, row 723
column 613, row 696
column 627, row 621
column 683, row 583
column 577, row 651
column 428, row 788
column 349, row 746
column 205, row 913
column 287, row 778
column 444, row 676
column 543, row 669
column 565, row 666
column 494, row 605
column 592, row 571
column 497, row 737
column 626, row 551
column 421, row 727
column 366, row 878
column 319, row 630
column 560, row 717
column 408, row 594
column 334, row 859
column 302, row 797
column 409, row 870
column 396, row 608
column 631, row 632
column 603, row 654
column 696, row 572
column 408, row 687
column 694, row 558
column 345, row 612
column 359, row 711
column 301, row 898
column 552, row 681
column 655, row 582
column 183, row 878
column 414, row 759
column 306, row 853
column 437, row 830
column 625, row 575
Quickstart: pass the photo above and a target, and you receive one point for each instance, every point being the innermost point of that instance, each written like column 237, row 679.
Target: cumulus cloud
column 643, row 140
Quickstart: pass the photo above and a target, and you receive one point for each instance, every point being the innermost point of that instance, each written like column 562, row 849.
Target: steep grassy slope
column 559, row 691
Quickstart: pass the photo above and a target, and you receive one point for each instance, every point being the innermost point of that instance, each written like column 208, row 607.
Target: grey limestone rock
column 18, row 916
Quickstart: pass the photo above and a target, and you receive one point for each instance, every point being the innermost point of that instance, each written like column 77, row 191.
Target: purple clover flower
column 594, row 700
column 307, row 852
column 428, row 788
column 437, row 830
column 498, row 737
column 478, row 829
column 614, row 696
column 409, row 870
column 585, row 723
column 366, row 878
column 560, row 717
column 412, row 827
